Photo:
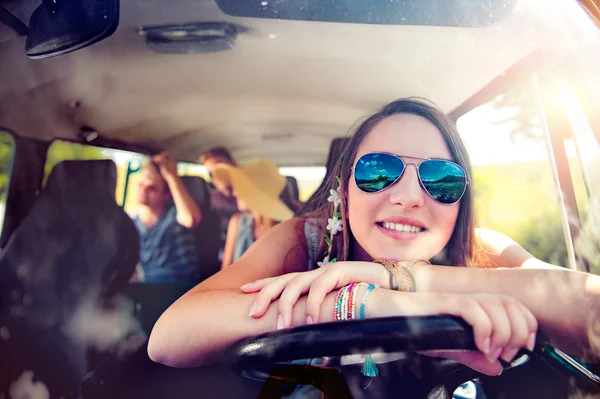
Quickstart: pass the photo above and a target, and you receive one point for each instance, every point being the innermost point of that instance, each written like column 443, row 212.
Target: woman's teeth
column 402, row 227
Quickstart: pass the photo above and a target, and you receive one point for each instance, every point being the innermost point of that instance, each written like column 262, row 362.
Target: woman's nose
column 407, row 192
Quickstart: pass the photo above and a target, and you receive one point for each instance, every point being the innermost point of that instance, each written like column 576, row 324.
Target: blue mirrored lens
column 444, row 181
column 377, row 171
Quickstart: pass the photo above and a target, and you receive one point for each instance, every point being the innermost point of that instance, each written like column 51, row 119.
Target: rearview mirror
column 60, row 26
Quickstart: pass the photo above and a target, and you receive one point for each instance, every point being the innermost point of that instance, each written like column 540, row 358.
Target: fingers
column 317, row 283
column 159, row 158
column 501, row 325
column 327, row 282
column 269, row 292
column 474, row 314
column 523, row 329
column 532, row 325
column 295, row 288
column 257, row 285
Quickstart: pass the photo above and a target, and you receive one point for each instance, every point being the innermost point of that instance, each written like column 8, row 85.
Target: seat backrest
column 72, row 253
column 336, row 149
column 208, row 232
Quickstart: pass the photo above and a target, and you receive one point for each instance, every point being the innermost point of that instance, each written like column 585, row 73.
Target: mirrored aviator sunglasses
column 443, row 180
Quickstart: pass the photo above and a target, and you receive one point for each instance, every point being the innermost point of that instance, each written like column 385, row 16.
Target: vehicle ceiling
column 284, row 90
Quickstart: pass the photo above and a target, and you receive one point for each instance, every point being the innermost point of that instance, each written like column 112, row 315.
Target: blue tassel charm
column 370, row 368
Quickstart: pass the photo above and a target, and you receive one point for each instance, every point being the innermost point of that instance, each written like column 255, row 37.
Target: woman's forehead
column 408, row 135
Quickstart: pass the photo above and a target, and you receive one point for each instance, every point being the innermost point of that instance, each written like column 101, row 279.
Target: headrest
column 198, row 189
column 68, row 178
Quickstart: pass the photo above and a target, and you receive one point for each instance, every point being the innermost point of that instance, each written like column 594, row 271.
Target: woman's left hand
column 318, row 283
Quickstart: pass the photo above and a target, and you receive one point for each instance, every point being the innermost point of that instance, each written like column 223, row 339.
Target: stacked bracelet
column 345, row 302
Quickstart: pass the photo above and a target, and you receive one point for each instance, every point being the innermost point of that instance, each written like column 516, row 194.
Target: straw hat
column 259, row 185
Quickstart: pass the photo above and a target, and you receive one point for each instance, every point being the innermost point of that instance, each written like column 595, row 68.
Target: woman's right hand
column 501, row 324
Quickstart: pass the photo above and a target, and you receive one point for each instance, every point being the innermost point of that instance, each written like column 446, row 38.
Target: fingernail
column 494, row 356
column 531, row 342
column 501, row 370
column 486, row 345
column 243, row 287
column 509, row 355
column 279, row 322
column 253, row 309
column 309, row 320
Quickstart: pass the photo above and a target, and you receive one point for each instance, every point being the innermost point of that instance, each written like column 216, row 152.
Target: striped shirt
column 167, row 250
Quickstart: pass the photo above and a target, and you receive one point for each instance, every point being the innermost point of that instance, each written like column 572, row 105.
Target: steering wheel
column 270, row 357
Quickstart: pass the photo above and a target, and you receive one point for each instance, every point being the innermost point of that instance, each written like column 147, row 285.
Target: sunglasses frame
column 417, row 165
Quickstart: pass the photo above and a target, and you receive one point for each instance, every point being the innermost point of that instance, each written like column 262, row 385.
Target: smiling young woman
column 404, row 193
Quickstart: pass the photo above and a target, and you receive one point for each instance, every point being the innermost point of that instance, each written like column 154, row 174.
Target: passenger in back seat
column 257, row 188
column 167, row 243
column 221, row 195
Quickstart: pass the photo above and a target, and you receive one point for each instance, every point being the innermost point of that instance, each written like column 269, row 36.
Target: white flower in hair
column 334, row 225
column 334, row 196
column 326, row 261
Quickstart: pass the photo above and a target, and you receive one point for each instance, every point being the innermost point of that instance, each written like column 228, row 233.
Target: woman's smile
column 401, row 228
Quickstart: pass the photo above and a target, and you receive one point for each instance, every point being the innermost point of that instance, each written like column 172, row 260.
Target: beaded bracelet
column 338, row 304
column 345, row 302
column 349, row 298
column 363, row 302
column 354, row 298
column 341, row 309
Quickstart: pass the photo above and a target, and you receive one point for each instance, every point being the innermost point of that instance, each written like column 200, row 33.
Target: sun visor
column 63, row 26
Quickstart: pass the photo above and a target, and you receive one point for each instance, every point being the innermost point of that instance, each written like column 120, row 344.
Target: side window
column 7, row 150
column 309, row 178
column 193, row 169
column 513, row 178
column 130, row 172
column 586, row 144
column 65, row 150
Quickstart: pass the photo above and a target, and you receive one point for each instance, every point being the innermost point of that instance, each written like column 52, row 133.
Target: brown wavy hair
column 460, row 249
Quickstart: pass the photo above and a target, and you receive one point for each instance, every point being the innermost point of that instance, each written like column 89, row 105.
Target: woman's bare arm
column 503, row 251
column 214, row 314
column 230, row 240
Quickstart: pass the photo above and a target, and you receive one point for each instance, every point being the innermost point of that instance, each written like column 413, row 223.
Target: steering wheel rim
column 258, row 357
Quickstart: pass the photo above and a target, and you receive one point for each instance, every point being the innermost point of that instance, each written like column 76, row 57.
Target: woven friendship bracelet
column 404, row 269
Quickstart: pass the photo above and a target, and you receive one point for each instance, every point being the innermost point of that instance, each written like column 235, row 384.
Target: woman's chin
column 399, row 255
